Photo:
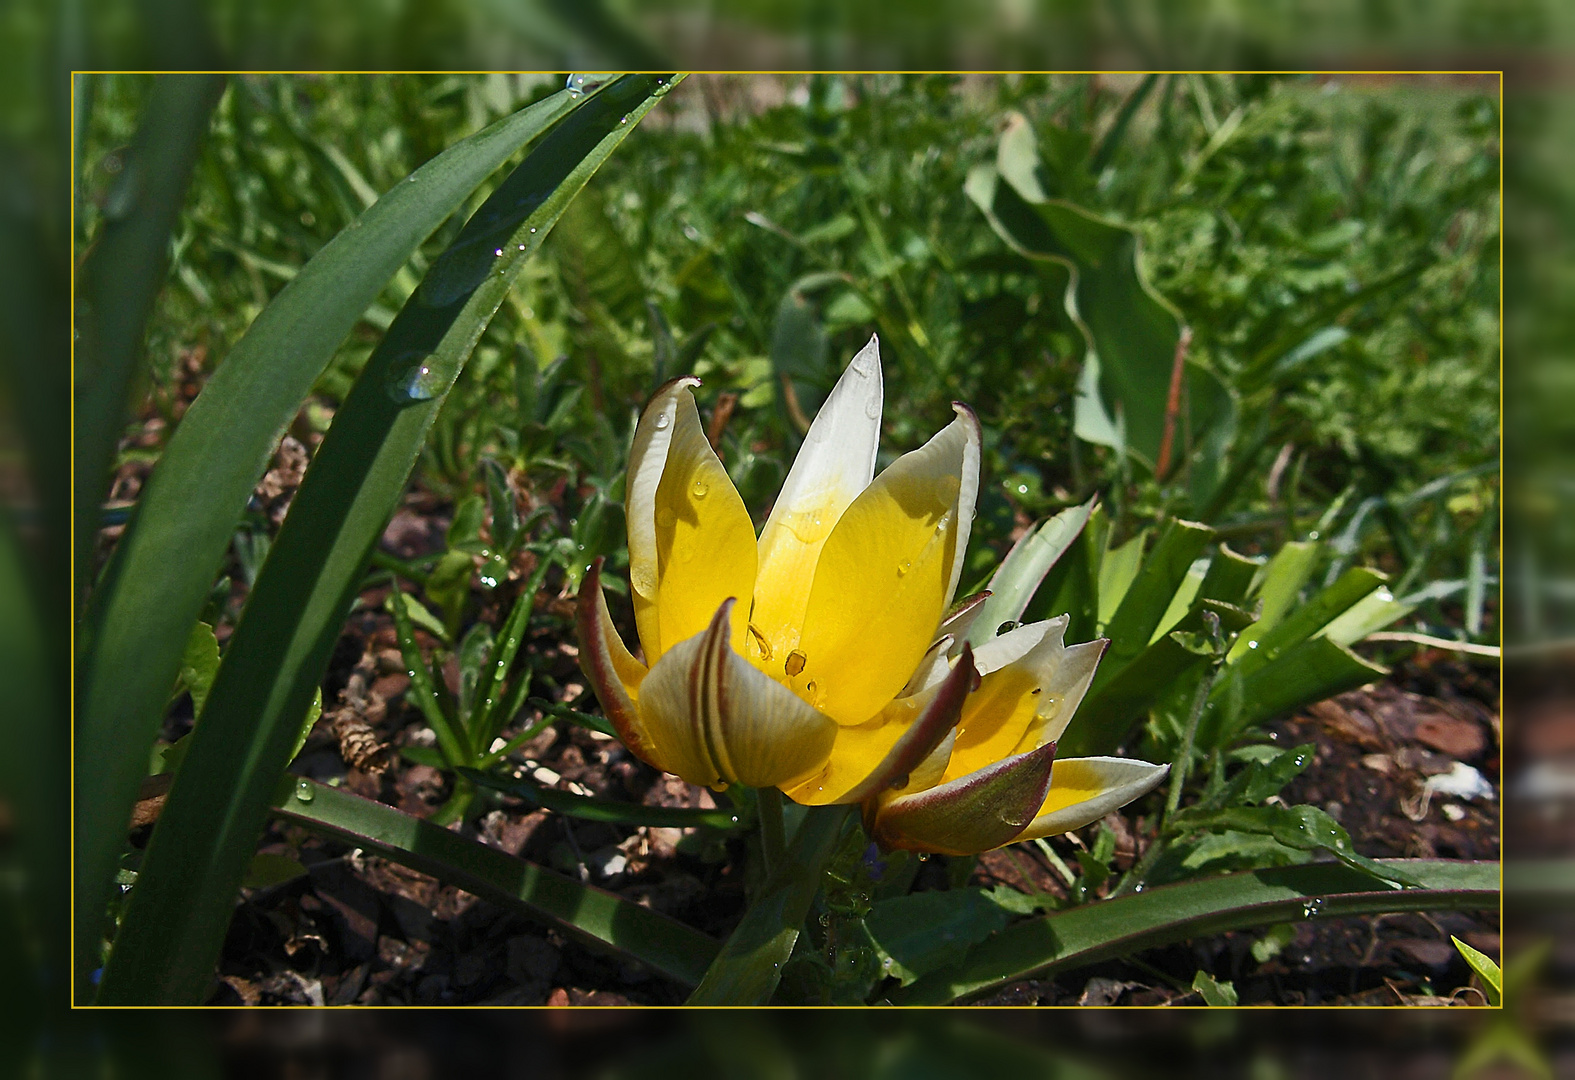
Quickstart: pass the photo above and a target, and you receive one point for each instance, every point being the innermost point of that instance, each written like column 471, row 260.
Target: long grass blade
column 1093, row 932
column 164, row 566
column 594, row 916
column 176, row 918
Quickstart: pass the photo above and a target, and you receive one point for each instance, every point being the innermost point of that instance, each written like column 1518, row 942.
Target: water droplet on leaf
column 414, row 379
column 303, row 791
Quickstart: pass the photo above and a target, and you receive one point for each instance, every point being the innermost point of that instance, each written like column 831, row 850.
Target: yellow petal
column 691, row 543
column 833, row 466
column 614, row 674
column 885, row 577
column 1083, row 790
column 715, row 719
column 882, row 754
column 1026, row 701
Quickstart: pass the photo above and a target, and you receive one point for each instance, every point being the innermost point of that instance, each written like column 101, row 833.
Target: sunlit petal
column 1063, row 691
column 1018, row 699
column 885, row 577
column 691, row 543
column 1083, row 790
column 833, row 466
column 716, row 719
column 881, row 754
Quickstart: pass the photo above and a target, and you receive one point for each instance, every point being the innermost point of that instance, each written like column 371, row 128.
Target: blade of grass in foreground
column 678, row 951
column 176, row 917
column 1099, row 931
column 165, row 564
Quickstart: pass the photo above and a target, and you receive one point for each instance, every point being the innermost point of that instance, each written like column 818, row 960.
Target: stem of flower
column 772, row 837
column 750, row 964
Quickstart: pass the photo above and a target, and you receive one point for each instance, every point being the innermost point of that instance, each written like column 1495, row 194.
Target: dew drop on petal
column 700, row 489
column 662, row 420
column 872, row 410
column 643, row 580
column 903, row 568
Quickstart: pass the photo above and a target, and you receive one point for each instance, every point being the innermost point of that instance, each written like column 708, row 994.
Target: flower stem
column 772, row 836
column 750, row 964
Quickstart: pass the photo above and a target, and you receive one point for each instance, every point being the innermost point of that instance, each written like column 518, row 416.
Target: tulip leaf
column 596, row 917
column 198, row 664
column 1261, row 643
column 926, row 931
column 589, row 808
column 747, row 970
column 1311, row 671
column 1091, row 933
column 164, row 566
column 1131, row 333
column 176, row 917
column 1024, row 568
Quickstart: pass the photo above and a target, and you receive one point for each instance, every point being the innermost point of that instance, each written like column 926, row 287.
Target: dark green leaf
column 923, row 932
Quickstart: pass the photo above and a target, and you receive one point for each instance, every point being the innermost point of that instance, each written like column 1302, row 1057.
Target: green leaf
column 1131, row 332
column 1090, row 933
column 1281, row 581
column 199, row 662
column 406, row 605
column 1215, row 993
column 1117, row 570
column 1312, row 671
column 1273, row 942
column 1024, row 568
column 165, row 563
column 276, row 657
column 589, row 808
column 748, row 968
column 1304, row 827
column 119, row 279
column 1261, row 643
column 1485, row 968
column 593, row 916
column 925, row 931
column 430, row 756
column 503, row 505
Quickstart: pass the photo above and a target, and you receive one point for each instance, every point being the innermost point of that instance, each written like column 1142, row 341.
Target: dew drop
column 1312, row 908
column 643, row 579
column 872, row 410
column 662, row 420
column 584, row 82
column 1313, row 535
column 415, row 379
column 700, row 489
column 1005, row 628
column 864, row 364
column 662, row 87
column 1252, row 644
column 1139, row 887
column 666, row 518
column 903, row 568
column 533, row 228
column 624, row 120
column 522, row 246
column 303, row 791
column 795, row 663
column 498, row 254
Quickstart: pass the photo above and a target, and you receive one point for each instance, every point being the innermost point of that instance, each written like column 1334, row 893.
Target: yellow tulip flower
column 842, row 680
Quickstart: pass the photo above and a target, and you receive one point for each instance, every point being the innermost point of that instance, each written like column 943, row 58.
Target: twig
column 1173, row 402
column 1431, row 642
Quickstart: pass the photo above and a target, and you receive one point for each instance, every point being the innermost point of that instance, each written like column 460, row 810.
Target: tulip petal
column 691, row 542
column 886, row 575
column 962, row 615
column 1083, row 790
column 975, row 813
column 883, row 753
column 833, row 466
column 716, row 719
column 1063, row 693
column 1018, row 703
column 1008, row 648
column 933, row 667
column 613, row 673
